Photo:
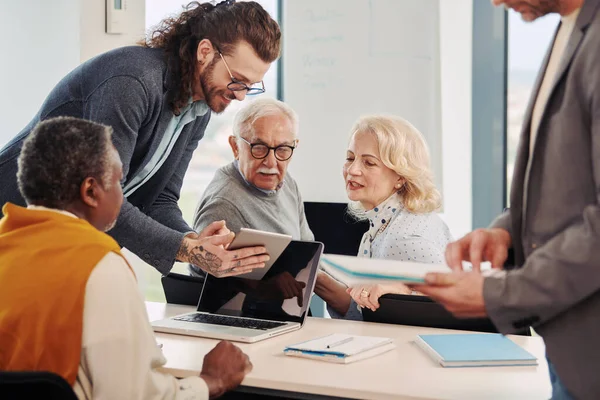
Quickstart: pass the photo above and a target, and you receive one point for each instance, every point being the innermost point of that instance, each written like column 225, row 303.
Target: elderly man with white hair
column 254, row 191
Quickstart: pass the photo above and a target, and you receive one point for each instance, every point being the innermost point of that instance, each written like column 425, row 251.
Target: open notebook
column 474, row 350
column 359, row 270
column 341, row 348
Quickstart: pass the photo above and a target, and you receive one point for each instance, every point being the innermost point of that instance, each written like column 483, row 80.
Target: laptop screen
column 283, row 294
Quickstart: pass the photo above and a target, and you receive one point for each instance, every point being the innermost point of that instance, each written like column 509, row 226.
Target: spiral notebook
column 341, row 348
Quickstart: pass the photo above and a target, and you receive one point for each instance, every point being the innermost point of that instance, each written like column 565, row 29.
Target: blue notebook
column 474, row 350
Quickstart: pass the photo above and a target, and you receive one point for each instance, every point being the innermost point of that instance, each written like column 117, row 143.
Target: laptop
column 248, row 310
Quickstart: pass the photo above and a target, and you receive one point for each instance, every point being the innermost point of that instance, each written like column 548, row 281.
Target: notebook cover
column 339, row 359
column 475, row 348
column 344, row 345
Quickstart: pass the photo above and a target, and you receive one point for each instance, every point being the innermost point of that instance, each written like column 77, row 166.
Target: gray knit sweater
column 229, row 197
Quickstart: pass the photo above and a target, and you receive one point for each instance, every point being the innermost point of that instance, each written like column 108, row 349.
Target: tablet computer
column 275, row 243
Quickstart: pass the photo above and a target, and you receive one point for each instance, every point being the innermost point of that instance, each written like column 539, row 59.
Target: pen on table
column 340, row 342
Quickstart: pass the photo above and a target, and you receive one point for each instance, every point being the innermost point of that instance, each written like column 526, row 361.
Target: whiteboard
column 346, row 58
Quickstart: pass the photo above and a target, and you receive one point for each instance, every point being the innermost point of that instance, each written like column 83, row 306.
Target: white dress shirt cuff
column 192, row 388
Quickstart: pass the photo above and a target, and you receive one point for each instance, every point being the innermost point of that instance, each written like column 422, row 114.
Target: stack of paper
column 341, row 348
column 474, row 350
column 354, row 271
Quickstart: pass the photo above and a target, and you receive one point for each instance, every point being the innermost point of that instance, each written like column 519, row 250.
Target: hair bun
column 225, row 3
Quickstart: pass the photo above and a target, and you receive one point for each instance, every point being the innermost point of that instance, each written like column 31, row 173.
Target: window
column 527, row 46
column 213, row 150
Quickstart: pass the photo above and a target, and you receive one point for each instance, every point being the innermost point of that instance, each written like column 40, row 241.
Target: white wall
column 343, row 59
column 41, row 43
column 95, row 40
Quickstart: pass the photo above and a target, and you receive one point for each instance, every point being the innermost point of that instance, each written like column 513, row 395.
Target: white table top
column 403, row 373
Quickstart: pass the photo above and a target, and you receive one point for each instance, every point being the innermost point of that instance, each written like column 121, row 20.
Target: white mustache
column 268, row 171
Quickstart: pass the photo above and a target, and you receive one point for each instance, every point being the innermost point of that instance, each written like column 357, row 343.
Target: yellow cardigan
column 46, row 259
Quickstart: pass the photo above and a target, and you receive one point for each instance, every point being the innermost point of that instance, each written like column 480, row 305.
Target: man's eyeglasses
column 283, row 152
column 237, row 86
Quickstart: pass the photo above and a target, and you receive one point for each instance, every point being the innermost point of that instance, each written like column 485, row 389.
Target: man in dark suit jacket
column 553, row 225
column 157, row 98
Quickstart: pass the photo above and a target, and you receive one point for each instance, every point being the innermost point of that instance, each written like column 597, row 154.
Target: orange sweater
column 46, row 259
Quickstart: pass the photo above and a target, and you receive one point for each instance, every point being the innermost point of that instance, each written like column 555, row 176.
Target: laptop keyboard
column 230, row 321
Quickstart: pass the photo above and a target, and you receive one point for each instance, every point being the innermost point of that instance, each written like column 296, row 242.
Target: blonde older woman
column 389, row 182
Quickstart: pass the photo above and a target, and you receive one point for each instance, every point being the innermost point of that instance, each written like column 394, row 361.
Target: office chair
column 422, row 311
column 331, row 225
column 34, row 384
column 182, row 289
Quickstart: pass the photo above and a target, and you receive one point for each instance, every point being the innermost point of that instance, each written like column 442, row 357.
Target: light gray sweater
column 229, row 197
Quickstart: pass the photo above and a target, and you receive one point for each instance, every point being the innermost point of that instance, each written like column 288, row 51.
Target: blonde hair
column 403, row 149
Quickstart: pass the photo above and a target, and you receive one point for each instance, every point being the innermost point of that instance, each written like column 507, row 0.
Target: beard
column 542, row 8
column 212, row 94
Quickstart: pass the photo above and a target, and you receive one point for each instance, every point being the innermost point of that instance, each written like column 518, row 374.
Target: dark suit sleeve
column 122, row 102
column 566, row 269
column 165, row 208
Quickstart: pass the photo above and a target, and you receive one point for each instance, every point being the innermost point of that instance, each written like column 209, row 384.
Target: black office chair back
column 422, row 311
column 334, row 227
column 34, row 385
column 182, row 289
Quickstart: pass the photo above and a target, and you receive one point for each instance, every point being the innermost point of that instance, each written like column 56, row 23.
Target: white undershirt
column 558, row 48
column 120, row 357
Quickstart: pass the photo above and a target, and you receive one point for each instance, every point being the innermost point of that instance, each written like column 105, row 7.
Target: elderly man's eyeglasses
column 237, row 86
column 283, row 152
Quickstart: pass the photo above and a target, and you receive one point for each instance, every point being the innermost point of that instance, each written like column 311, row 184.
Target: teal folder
column 474, row 350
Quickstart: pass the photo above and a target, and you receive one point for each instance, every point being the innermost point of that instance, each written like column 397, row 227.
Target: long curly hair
column 224, row 25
